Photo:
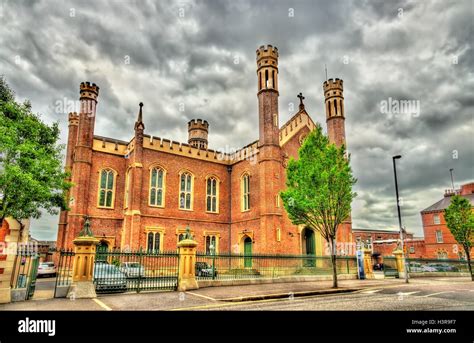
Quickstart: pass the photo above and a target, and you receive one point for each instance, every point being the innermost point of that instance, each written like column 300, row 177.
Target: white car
column 47, row 269
column 132, row 269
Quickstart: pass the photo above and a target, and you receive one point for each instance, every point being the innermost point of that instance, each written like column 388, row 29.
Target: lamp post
column 397, row 157
column 213, row 252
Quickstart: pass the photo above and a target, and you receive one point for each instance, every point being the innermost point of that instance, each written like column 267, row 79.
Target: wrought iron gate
column 25, row 271
column 117, row 271
column 63, row 273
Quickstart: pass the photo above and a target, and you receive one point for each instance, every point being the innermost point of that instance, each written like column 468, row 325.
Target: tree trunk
column 334, row 266
column 468, row 257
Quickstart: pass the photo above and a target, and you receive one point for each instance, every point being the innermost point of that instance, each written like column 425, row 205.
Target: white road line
column 101, row 304
column 430, row 295
column 407, row 293
column 371, row 291
column 202, row 296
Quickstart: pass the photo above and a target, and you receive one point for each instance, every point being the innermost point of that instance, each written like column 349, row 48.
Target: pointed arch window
column 106, row 196
column 157, row 187
column 186, row 191
column 212, row 195
column 335, row 107
column 154, row 241
column 245, row 192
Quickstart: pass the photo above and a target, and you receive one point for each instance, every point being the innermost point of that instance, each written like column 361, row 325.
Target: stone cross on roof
column 301, row 100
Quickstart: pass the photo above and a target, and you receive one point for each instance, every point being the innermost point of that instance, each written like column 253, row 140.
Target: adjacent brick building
column 146, row 191
column 384, row 242
column 439, row 241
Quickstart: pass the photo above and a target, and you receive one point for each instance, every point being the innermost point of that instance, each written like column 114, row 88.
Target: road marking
column 201, row 296
column 407, row 293
column 371, row 291
column 430, row 295
column 101, row 304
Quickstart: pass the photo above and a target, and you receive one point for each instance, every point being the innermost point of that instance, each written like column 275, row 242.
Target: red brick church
column 145, row 192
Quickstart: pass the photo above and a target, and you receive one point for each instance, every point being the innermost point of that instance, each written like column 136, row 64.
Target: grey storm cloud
column 200, row 56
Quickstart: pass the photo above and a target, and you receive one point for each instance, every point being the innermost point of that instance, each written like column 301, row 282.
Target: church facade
column 143, row 193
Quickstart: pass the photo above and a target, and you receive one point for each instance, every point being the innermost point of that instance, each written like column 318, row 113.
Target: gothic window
column 245, row 191
column 266, row 78
column 211, row 244
column 154, row 242
column 157, row 187
column 442, row 255
column 107, row 188
column 185, row 191
column 212, row 193
column 439, row 236
column 329, row 107
column 335, row 107
column 273, row 79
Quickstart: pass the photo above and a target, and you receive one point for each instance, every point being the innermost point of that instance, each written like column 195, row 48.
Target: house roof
column 445, row 202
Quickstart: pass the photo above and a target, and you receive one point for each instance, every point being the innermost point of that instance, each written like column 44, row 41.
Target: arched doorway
column 308, row 246
column 247, row 252
column 102, row 249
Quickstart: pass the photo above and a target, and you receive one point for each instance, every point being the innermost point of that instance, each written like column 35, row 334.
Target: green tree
column 319, row 189
column 31, row 173
column 459, row 218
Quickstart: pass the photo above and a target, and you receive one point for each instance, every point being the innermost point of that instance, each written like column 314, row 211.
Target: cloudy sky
column 200, row 56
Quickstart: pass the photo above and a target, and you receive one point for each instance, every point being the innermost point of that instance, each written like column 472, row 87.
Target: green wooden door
column 310, row 247
column 101, row 252
column 248, row 253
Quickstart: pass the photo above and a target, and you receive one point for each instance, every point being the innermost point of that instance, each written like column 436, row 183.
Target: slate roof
column 445, row 202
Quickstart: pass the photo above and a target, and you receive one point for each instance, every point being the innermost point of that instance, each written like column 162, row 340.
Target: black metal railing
column 64, row 269
column 450, row 266
column 236, row 266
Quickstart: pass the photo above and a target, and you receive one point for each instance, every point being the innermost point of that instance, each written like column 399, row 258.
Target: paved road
column 439, row 294
column 419, row 294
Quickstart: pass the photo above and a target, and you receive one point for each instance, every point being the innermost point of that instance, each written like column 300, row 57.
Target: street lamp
column 397, row 157
column 212, row 248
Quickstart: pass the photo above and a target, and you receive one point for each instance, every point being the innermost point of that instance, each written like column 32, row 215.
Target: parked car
column 108, row 277
column 443, row 267
column 203, row 269
column 47, row 269
column 132, row 269
column 416, row 267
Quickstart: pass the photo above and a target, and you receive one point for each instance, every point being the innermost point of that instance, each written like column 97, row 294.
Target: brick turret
column 197, row 133
column 270, row 153
column 82, row 158
column 334, row 102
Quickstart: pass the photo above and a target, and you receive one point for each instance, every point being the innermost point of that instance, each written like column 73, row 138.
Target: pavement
column 387, row 294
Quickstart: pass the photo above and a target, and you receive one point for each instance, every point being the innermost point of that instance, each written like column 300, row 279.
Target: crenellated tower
column 82, row 158
column 267, row 74
column 334, row 102
column 198, row 131
column 270, row 154
column 335, row 121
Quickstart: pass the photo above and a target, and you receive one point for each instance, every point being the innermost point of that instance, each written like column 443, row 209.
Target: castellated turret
column 197, row 133
column 267, row 67
column 334, row 102
column 88, row 91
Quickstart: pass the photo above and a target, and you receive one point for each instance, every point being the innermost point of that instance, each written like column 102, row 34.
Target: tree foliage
column 319, row 188
column 31, row 172
column 459, row 219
